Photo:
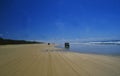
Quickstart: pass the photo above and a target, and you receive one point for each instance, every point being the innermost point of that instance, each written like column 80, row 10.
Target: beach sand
column 46, row 60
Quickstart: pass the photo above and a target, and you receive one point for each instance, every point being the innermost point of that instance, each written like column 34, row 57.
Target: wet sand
column 44, row 60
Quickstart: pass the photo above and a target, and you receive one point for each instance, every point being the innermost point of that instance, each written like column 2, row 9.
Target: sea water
column 94, row 48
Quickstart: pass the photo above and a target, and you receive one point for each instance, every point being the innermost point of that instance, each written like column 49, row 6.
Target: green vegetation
column 10, row 41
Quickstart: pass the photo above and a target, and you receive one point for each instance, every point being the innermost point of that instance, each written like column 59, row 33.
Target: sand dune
column 44, row 60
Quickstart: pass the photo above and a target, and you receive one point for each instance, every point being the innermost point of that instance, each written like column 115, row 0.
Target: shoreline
column 88, row 52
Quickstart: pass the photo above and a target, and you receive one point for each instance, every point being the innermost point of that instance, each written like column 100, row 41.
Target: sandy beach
column 46, row 60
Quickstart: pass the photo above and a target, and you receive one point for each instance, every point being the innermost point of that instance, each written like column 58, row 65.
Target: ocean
column 108, row 49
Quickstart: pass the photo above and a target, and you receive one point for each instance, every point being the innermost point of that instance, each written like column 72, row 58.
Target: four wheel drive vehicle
column 67, row 45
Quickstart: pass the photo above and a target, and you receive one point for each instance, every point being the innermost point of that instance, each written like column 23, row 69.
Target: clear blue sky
column 60, row 19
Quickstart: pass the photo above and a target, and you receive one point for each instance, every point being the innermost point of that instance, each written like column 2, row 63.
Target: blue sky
column 60, row 20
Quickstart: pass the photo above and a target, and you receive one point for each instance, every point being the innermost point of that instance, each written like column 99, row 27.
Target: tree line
column 11, row 41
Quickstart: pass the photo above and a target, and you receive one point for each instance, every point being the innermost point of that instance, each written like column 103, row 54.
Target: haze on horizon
column 60, row 20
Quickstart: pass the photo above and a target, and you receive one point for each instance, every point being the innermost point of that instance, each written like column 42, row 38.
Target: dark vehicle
column 48, row 43
column 67, row 45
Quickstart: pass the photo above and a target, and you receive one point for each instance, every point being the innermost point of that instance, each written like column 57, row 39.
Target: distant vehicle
column 48, row 43
column 67, row 45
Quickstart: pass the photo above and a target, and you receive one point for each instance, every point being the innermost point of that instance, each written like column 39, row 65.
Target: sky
column 60, row 20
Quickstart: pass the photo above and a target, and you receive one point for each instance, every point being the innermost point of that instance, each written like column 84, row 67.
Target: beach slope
column 46, row 60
